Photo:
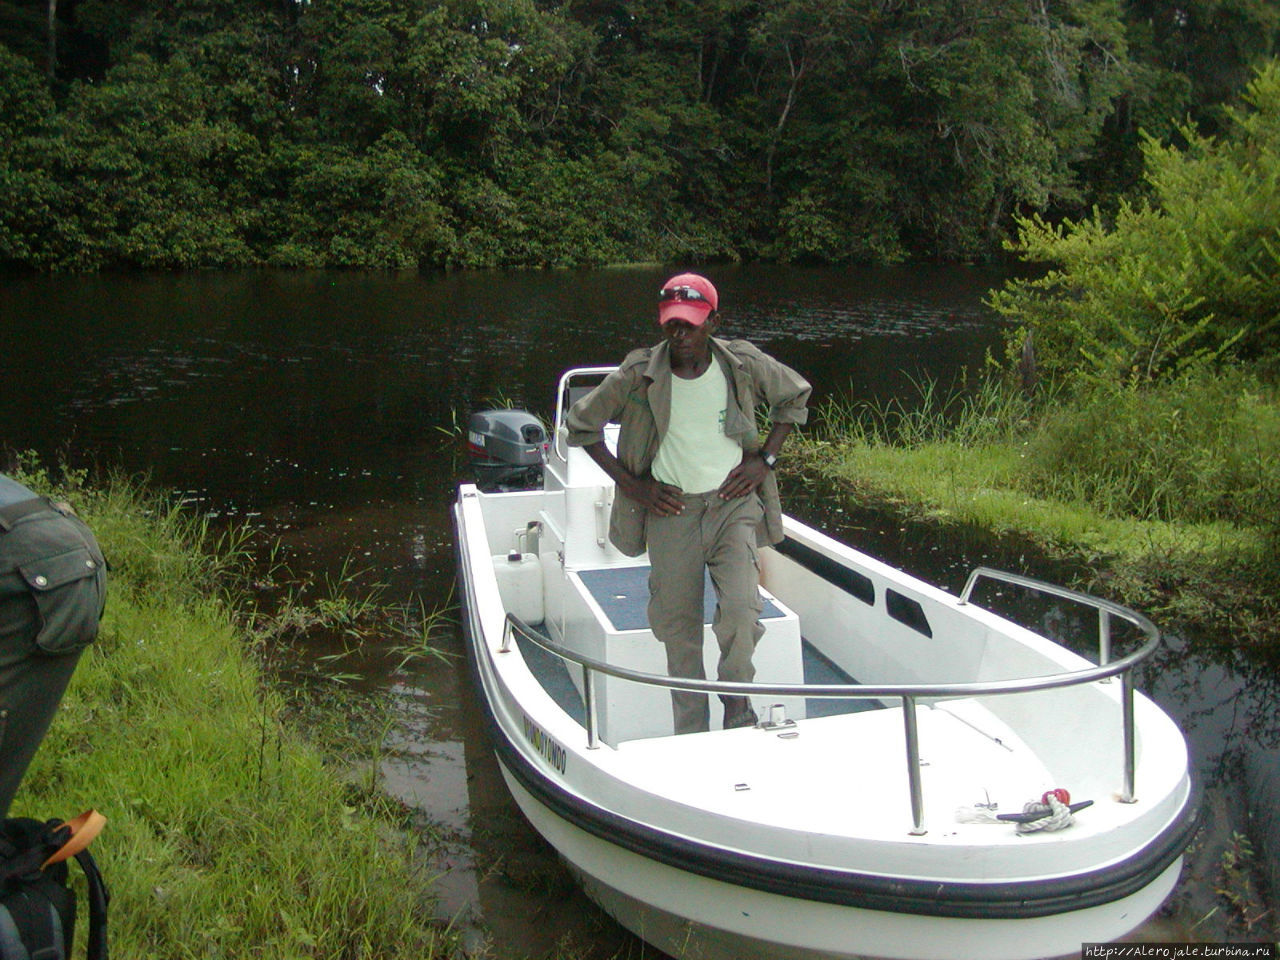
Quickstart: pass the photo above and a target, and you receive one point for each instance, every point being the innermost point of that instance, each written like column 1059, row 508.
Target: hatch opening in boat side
column 907, row 612
column 851, row 581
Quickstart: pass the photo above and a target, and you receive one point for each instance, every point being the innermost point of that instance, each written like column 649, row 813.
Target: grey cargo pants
column 720, row 537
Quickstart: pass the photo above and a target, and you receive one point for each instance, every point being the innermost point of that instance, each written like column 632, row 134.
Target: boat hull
column 686, row 914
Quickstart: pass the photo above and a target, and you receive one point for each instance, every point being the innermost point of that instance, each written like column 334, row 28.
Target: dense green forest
column 193, row 133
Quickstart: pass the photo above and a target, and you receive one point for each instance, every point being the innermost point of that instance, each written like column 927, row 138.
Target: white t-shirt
column 695, row 455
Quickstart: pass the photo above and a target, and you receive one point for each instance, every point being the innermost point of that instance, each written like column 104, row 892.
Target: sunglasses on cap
column 682, row 293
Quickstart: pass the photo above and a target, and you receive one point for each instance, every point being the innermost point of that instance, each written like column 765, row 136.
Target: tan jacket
column 638, row 397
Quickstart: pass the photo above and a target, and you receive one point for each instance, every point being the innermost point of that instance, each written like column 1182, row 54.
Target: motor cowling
column 507, row 449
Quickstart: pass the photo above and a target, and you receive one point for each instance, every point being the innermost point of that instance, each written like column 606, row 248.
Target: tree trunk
column 1027, row 366
column 53, row 40
column 797, row 73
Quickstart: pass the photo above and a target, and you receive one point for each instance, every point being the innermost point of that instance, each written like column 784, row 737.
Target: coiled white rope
column 1049, row 813
column 979, row 813
column 1058, row 816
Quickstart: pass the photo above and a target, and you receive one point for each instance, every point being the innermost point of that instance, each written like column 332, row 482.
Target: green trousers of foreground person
column 52, row 593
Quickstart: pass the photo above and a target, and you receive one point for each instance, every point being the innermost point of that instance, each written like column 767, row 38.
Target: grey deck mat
column 623, row 595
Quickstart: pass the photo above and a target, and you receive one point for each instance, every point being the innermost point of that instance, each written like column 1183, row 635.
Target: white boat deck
column 846, row 776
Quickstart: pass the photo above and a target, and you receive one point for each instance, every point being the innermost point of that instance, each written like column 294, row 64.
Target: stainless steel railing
column 907, row 693
column 562, row 401
column 1106, row 610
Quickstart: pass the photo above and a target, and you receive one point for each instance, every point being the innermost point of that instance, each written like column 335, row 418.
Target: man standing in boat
column 695, row 486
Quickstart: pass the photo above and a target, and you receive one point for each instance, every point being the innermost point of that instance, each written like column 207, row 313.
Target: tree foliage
column 474, row 132
column 1188, row 275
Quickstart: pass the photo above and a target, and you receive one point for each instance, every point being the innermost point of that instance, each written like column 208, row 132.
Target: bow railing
column 908, row 694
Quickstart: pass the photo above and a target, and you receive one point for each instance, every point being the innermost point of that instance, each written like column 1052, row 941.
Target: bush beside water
column 228, row 835
column 1198, row 449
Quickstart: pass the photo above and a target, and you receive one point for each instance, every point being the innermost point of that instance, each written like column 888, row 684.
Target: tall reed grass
column 1203, row 448
column 1200, row 448
column 967, row 414
column 228, row 834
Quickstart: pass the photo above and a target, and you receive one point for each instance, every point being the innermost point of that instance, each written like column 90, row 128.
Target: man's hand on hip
column 745, row 478
column 660, row 498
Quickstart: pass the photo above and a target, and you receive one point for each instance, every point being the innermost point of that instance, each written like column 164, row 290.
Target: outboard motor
column 507, row 448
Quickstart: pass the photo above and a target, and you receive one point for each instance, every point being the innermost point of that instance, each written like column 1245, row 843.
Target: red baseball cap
column 688, row 297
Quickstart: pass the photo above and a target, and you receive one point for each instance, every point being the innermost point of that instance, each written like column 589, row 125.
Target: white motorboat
column 872, row 811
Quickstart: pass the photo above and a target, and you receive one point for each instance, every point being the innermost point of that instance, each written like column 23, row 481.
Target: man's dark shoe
column 738, row 713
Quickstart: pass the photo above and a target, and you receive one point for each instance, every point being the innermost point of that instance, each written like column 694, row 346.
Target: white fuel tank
column 520, row 584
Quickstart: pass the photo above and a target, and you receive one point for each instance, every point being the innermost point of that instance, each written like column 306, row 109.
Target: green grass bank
column 1167, row 498
column 229, row 835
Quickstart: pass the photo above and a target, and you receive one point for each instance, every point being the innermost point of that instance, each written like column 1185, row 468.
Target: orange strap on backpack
column 83, row 829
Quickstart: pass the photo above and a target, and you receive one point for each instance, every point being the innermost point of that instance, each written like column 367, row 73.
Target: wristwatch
column 770, row 459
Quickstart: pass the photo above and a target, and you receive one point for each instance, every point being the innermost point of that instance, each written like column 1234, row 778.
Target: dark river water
column 320, row 408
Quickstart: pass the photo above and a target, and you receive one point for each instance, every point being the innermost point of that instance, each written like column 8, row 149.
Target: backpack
column 37, row 907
